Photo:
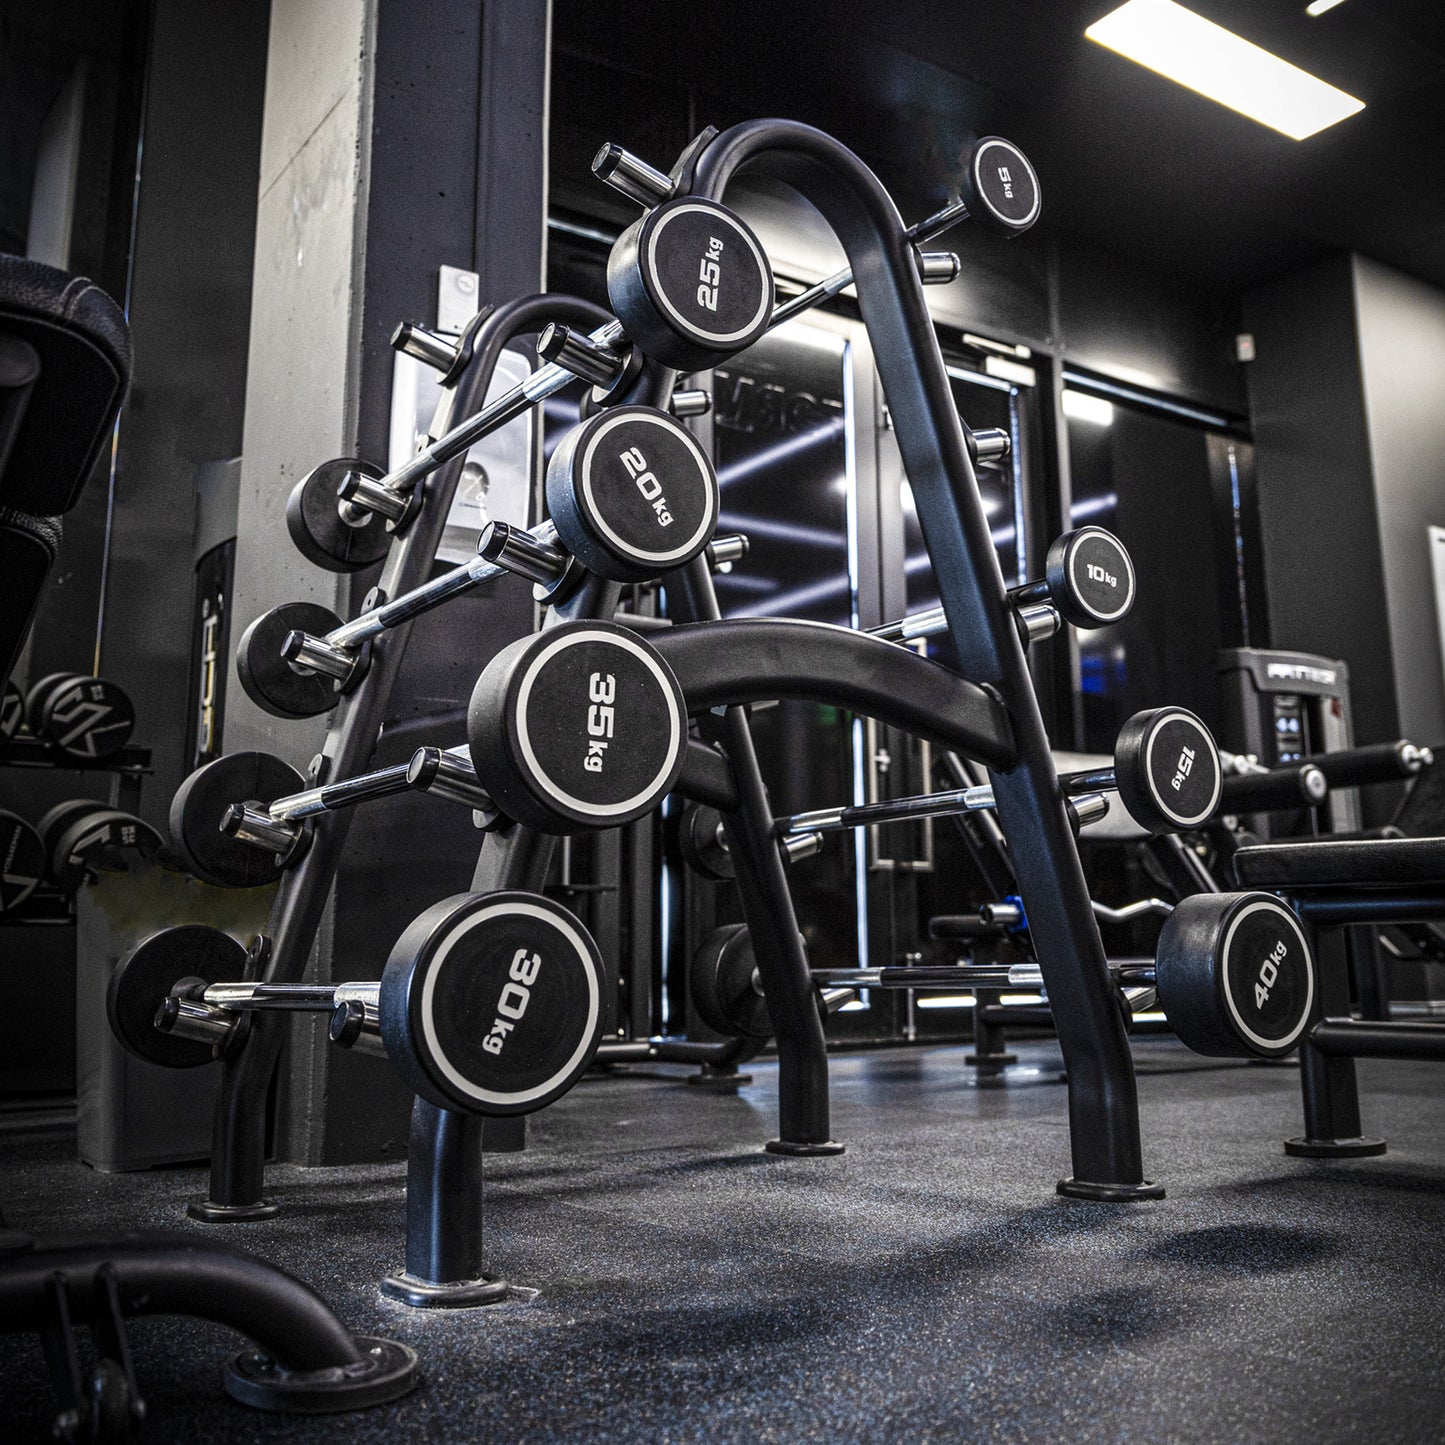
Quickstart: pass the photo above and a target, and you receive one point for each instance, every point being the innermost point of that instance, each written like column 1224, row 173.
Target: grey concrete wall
column 400, row 135
column 1401, row 323
column 307, row 306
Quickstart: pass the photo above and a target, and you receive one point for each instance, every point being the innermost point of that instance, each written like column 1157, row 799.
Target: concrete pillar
column 399, row 136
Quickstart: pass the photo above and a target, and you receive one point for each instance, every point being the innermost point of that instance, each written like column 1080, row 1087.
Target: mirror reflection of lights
column 1093, row 506
column 803, row 536
column 779, row 452
column 736, row 581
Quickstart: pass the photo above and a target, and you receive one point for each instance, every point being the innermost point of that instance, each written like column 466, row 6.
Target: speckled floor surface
column 927, row 1285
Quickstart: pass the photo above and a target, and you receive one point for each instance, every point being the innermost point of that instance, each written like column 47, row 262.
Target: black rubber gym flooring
column 927, row 1285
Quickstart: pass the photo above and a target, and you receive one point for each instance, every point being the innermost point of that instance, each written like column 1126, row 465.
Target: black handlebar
column 1378, row 763
column 1281, row 789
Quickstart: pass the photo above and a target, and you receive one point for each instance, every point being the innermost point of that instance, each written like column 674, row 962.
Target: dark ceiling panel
column 1130, row 161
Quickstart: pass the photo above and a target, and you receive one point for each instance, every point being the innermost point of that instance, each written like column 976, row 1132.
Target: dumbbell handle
column 1032, row 601
column 445, row 773
column 544, row 382
column 1085, row 801
column 1039, row 622
column 211, row 1015
column 924, row 230
column 350, row 635
column 292, row 997
column 965, row 977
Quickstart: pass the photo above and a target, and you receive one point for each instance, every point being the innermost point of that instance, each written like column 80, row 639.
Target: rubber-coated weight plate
column 1167, row 769
column 492, row 1002
column 22, row 861
column 697, row 836
column 632, row 494
column 690, row 283
column 54, row 823
column 12, row 713
column 318, row 529
column 1091, row 578
column 85, row 717
column 37, row 692
column 580, row 726
column 201, row 803
column 1001, row 188
column 723, row 990
column 104, row 841
column 144, row 979
column 1235, row 975
column 268, row 679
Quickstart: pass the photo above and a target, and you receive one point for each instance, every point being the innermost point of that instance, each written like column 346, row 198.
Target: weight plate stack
column 89, row 718
column 492, row 1002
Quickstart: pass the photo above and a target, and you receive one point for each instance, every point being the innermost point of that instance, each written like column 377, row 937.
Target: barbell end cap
column 937, row 268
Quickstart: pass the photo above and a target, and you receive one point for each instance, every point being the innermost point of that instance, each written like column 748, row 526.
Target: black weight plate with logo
column 56, row 821
column 1091, row 578
column 690, row 283
column 1001, row 188
column 103, row 841
column 1235, row 975
column 22, row 861
column 266, row 676
column 722, row 987
column 1167, row 770
column 581, row 726
column 143, row 980
column 492, row 1002
column 12, row 712
column 632, row 494
column 201, row 803
column 85, row 717
column 318, row 529
column 39, row 690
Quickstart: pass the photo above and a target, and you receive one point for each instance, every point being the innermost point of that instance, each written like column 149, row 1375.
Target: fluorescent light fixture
column 1217, row 63
column 1318, row 7
column 1080, row 406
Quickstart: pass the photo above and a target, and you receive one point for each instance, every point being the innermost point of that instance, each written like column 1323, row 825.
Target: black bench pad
column 1328, row 862
column 83, row 344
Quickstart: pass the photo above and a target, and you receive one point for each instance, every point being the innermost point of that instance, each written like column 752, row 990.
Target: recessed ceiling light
column 1318, row 7
column 1219, row 64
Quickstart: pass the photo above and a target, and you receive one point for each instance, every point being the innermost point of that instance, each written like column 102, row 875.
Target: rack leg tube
column 444, row 1215
column 803, row 1122
column 1328, row 1085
